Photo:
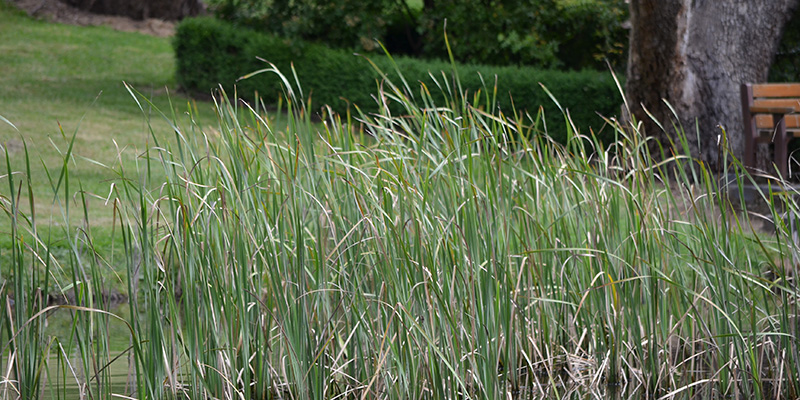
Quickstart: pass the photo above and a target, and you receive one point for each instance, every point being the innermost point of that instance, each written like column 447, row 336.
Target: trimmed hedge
column 210, row 52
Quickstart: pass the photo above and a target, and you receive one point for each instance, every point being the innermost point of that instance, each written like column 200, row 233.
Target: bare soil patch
column 56, row 11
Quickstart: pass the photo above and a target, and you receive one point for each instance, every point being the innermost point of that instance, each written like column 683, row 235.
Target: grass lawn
column 59, row 80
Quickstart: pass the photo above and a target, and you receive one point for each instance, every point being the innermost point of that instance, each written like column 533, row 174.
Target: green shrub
column 786, row 66
column 350, row 24
column 572, row 34
column 211, row 52
column 591, row 32
column 500, row 33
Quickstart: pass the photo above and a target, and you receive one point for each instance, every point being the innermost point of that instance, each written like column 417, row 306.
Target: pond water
column 59, row 387
column 65, row 377
column 70, row 382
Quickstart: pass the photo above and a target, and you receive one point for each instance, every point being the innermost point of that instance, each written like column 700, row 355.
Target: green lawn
column 58, row 81
column 67, row 77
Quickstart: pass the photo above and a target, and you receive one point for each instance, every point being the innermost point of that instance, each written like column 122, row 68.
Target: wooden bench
column 771, row 113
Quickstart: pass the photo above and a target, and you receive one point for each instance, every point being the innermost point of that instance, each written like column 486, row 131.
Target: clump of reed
column 425, row 251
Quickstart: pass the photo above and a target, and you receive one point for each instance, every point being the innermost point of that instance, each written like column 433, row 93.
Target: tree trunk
column 695, row 54
column 142, row 9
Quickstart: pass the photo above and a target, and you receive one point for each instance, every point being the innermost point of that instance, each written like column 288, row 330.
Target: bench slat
column 776, row 90
column 794, row 104
column 764, row 122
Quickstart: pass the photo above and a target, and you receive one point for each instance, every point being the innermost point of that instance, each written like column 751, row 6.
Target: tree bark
column 695, row 54
column 142, row 9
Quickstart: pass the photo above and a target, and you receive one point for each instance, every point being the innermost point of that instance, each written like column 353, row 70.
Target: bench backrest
column 772, row 95
column 773, row 108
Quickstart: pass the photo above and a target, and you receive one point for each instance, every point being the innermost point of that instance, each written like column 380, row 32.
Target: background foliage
column 571, row 34
column 343, row 24
column 544, row 33
column 786, row 66
column 210, row 51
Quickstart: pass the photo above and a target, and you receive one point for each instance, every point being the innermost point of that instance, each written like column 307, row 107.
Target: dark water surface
column 68, row 381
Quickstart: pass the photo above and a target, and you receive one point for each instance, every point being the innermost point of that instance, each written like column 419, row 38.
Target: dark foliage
column 141, row 9
column 210, row 51
column 573, row 34
column 544, row 33
column 786, row 67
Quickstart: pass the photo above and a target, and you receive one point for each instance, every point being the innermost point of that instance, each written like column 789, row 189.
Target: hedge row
column 210, row 52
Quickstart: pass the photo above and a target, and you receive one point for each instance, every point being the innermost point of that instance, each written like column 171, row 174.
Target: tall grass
column 426, row 251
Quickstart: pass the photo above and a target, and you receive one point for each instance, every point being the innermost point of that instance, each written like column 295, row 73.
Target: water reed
column 426, row 251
